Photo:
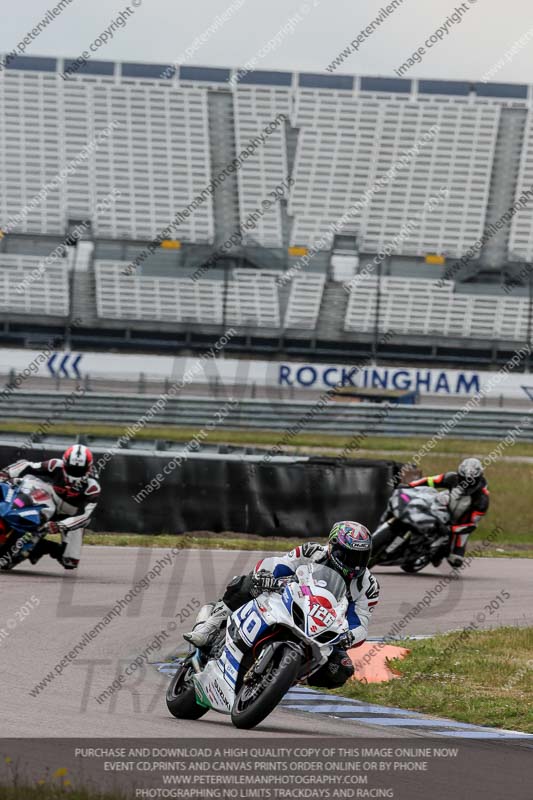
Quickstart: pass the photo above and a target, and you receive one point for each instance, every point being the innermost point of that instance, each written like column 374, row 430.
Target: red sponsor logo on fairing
column 321, row 611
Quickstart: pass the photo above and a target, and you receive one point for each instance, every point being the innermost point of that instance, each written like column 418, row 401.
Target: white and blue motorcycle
column 275, row 640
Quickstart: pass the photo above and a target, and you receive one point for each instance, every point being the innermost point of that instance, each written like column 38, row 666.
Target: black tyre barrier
column 224, row 493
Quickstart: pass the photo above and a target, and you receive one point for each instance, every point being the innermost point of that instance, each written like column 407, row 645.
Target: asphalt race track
column 61, row 607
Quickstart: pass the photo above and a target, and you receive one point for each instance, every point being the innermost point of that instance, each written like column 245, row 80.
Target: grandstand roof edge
column 327, row 80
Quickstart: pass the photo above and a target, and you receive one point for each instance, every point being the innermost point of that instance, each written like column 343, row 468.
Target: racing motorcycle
column 24, row 509
column 268, row 644
column 413, row 533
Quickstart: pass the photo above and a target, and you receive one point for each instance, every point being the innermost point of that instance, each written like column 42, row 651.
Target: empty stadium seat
column 243, row 274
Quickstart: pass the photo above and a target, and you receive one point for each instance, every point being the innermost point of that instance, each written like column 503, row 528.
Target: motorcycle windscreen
column 330, row 580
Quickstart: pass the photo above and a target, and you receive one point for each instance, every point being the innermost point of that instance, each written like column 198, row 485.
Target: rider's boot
column 203, row 632
column 439, row 548
column 45, row 547
column 456, row 560
column 419, row 563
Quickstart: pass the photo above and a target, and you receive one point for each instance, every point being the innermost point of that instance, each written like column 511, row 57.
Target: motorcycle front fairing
column 18, row 511
column 215, row 685
column 420, row 508
column 21, row 519
column 40, row 495
column 413, row 527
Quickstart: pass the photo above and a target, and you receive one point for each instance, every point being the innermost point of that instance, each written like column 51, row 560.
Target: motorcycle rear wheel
column 257, row 700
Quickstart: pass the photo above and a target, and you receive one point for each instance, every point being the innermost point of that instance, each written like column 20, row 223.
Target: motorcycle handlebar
column 281, row 583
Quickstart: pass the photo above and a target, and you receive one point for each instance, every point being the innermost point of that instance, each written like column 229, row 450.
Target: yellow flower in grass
column 8, row 760
column 67, row 783
column 60, row 773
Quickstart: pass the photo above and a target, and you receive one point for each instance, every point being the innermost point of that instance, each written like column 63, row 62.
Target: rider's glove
column 263, row 581
column 53, row 527
column 348, row 640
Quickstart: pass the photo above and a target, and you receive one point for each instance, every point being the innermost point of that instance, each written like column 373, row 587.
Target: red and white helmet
column 77, row 464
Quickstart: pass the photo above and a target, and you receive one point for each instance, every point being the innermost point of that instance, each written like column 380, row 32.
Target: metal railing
column 278, row 415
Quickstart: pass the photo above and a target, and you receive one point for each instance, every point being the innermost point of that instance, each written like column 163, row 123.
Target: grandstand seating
column 305, row 299
column 26, row 288
column 253, row 298
column 254, row 109
column 347, row 144
column 30, row 151
column 242, row 274
column 67, row 145
column 253, row 304
column 425, row 307
column 248, row 303
column 521, row 238
column 130, row 297
column 156, row 155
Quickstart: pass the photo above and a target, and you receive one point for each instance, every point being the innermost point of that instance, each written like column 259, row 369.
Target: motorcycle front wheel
column 258, row 697
column 381, row 538
column 10, row 554
column 181, row 697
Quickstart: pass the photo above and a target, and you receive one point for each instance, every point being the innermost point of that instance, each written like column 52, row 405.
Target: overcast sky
column 161, row 30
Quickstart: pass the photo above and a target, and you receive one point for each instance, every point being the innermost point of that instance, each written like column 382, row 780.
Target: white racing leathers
column 363, row 592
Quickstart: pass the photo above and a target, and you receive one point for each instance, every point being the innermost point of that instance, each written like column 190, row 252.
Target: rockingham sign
column 425, row 381
column 275, row 374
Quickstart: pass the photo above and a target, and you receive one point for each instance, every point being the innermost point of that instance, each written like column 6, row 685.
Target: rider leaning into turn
column 75, row 491
column 348, row 553
column 469, row 502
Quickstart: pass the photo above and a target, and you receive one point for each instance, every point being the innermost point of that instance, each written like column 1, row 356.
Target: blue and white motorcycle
column 269, row 644
column 24, row 508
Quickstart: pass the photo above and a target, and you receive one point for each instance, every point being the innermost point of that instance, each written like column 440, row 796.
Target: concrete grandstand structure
column 436, row 177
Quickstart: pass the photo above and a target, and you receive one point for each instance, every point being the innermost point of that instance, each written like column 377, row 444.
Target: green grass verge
column 210, row 541
column 510, row 482
column 483, row 678
column 223, row 541
column 327, row 441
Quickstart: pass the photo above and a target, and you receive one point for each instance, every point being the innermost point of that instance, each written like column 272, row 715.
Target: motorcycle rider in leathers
column 469, row 502
column 75, row 491
column 348, row 553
